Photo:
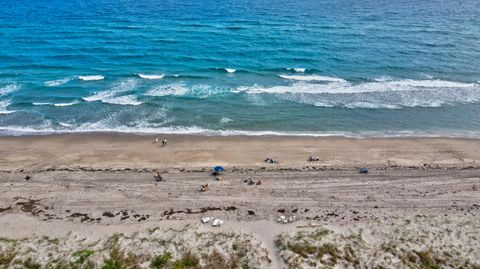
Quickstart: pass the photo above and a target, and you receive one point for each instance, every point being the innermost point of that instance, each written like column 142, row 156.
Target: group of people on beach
column 164, row 141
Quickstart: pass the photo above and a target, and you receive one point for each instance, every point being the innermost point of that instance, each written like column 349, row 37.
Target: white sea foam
column 114, row 95
column 7, row 89
column 230, row 70
column 3, row 107
column 380, row 86
column 374, row 95
column 298, row 69
column 58, row 82
column 55, row 104
column 151, row 76
column 195, row 130
column 370, row 105
column 166, row 90
column 179, row 89
column 225, row 120
column 41, row 104
column 65, row 124
column 66, row 104
column 130, row 100
column 383, row 79
column 311, row 78
column 91, row 78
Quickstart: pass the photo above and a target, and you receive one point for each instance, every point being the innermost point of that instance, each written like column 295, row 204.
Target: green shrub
column 80, row 257
column 328, row 249
column 188, row 261
column 6, row 258
column 30, row 264
column 161, row 260
column 118, row 260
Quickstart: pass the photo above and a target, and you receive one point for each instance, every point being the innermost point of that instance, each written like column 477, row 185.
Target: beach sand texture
column 419, row 205
column 118, row 151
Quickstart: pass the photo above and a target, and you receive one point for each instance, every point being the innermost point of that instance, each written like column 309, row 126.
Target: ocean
column 255, row 67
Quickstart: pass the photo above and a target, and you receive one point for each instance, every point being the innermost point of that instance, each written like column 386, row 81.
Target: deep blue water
column 313, row 67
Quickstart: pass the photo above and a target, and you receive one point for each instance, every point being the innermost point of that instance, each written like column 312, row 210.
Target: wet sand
column 118, row 151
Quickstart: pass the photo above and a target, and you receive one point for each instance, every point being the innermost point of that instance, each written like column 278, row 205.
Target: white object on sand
column 286, row 219
column 217, row 223
column 207, row 219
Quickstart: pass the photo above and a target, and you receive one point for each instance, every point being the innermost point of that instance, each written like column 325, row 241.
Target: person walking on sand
column 156, row 139
column 164, row 142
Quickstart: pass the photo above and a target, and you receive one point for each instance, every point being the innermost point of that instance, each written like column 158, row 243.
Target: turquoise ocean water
column 312, row 67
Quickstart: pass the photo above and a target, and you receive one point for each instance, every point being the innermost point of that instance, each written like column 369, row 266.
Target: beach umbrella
column 218, row 169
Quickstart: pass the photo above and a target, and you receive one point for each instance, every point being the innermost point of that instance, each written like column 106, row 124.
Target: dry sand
column 86, row 188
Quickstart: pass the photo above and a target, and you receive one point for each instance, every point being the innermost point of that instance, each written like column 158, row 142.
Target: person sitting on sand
column 270, row 160
column 204, row 188
column 259, row 182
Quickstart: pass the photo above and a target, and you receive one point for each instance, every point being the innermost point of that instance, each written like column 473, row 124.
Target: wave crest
column 3, row 107
column 297, row 69
column 116, row 94
column 7, row 89
column 91, row 78
column 152, row 76
column 166, row 90
column 374, row 95
column 311, row 78
column 58, row 82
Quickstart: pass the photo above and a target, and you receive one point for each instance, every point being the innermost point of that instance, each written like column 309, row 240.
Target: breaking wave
column 158, row 76
column 179, row 89
column 311, row 78
column 66, row 104
column 91, row 78
column 3, row 107
column 58, row 82
column 195, row 130
column 55, row 104
column 166, row 90
column 375, row 95
column 116, row 95
column 297, row 69
column 7, row 89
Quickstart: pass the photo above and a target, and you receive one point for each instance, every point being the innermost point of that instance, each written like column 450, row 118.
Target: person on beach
column 156, row 139
column 164, row 142
column 158, row 177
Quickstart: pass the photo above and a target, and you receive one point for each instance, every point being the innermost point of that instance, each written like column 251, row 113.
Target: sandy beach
column 121, row 151
column 419, row 205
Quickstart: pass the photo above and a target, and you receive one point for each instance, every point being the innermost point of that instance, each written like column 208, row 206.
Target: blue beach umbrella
column 218, row 169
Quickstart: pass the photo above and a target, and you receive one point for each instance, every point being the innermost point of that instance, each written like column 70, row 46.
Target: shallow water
column 357, row 68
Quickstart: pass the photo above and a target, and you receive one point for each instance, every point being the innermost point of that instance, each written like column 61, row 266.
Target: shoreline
column 240, row 133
